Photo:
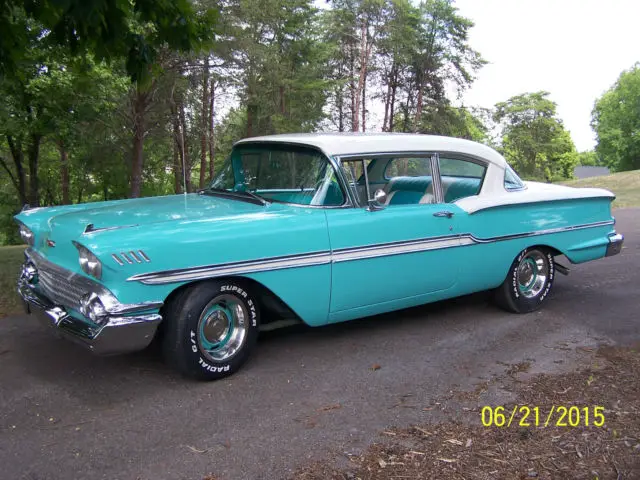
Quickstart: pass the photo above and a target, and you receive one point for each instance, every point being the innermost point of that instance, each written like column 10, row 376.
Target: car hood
column 144, row 211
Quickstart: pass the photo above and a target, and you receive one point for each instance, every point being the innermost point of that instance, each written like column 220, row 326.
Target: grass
column 625, row 185
column 10, row 260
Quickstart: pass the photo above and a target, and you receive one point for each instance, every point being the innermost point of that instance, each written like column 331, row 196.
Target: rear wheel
column 211, row 329
column 529, row 281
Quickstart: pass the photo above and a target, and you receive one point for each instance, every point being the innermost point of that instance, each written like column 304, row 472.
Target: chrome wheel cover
column 532, row 274
column 222, row 328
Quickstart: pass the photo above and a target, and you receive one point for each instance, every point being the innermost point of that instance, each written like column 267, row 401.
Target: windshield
column 281, row 173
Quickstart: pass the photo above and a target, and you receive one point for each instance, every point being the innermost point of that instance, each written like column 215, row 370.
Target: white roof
column 337, row 144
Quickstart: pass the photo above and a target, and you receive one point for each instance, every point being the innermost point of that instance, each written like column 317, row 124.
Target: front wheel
column 211, row 329
column 529, row 281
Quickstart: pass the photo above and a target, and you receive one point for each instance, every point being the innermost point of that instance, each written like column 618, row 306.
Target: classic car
column 321, row 228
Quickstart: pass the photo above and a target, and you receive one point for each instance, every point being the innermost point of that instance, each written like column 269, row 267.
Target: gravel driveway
column 306, row 394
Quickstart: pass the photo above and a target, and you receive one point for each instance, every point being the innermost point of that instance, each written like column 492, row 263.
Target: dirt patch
column 462, row 448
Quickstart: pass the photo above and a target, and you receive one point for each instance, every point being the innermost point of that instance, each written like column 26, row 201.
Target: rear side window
column 408, row 167
column 461, row 168
column 511, row 180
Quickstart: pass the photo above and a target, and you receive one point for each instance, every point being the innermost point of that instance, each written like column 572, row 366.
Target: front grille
column 60, row 286
column 63, row 287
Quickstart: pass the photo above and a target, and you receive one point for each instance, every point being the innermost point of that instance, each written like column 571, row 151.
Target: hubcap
column 532, row 274
column 222, row 328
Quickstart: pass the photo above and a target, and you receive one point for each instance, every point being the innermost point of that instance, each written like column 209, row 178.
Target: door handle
column 443, row 214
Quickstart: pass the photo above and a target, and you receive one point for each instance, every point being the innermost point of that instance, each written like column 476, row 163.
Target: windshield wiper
column 246, row 195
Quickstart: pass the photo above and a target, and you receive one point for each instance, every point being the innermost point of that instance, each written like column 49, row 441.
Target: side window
column 409, row 181
column 354, row 174
column 460, row 178
column 511, row 180
column 412, row 167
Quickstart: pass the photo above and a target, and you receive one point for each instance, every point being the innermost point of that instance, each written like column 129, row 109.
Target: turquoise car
column 320, row 228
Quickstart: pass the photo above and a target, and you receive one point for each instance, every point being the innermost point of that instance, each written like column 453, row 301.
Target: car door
column 402, row 251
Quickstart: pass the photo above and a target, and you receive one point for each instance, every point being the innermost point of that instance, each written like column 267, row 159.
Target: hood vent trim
column 131, row 257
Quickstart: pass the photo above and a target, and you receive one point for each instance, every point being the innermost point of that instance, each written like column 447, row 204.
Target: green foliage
column 616, row 121
column 134, row 30
column 456, row 122
column 534, row 139
column 590, row 158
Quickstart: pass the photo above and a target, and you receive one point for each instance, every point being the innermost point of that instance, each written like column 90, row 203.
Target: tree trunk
column 352, row 86
column 18, row 159
column 34, row 153
column 387, row 101
column 340, row 105
column 212, row 133
column 140, row 103
column 418, row 117
column 177, row 167
column 364, row 103
column 64, row 173
column 365, row 50
column 250, row 112
column 392, row 103
column 185, row 149
column 283, row 109
column 204, row 124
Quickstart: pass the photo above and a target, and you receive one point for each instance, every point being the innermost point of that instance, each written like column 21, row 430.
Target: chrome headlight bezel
column 26, row 234
column 89, row 263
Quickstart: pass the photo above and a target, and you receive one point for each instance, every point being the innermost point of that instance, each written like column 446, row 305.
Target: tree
column 534, row 139
column 590, row 158
column 616, row 121
column 134, row 30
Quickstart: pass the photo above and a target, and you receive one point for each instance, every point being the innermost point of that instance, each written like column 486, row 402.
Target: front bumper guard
column 615, row 244
column 116, row 333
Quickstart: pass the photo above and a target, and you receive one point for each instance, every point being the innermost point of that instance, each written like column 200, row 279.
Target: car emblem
column 51, row 243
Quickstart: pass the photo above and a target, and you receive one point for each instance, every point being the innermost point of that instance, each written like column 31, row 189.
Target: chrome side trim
column 397, row 248
column 337, row 256
column 233, row 268
column 117, row 259
column 540, row 232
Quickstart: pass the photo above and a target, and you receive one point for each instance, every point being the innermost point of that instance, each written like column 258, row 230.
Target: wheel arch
column 272, row 307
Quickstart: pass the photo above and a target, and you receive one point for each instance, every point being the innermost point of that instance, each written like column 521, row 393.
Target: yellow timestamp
column 556, row 416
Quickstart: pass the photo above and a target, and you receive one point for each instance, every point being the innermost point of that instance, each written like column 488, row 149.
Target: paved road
column 65, row 414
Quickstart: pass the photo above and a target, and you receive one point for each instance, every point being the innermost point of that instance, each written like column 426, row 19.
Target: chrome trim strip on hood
column 338, row 255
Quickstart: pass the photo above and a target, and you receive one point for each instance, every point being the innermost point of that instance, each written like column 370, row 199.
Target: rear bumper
column 615, row 244
column 114, row 334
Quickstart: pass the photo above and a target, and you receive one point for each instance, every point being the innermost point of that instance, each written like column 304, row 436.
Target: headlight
column 26, row 235
column 89, row 263
column 92, row 307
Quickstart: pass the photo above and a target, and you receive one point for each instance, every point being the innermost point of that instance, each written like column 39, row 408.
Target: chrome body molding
column 336, row 256
column 234, row 268
column 397, row 248
column 108, row 327
column 548, row 231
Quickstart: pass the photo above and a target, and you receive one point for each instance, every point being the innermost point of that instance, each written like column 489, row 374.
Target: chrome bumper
column 615, row 244
column 114, row 334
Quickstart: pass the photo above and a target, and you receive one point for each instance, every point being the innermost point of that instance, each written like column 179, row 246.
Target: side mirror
column 379, row 200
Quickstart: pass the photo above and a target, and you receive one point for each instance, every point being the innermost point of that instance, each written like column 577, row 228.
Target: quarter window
column 511, row 180
column 460, row 178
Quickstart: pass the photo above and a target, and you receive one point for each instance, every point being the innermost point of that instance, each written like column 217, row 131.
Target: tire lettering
column 213, row 368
